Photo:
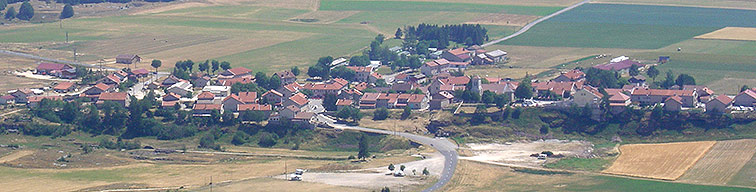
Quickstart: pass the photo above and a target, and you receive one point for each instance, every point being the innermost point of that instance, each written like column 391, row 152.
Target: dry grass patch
column 323, row 17
column 722, row 162
column 666, row 161
column 414, row 125
column 503, row 19
column 269, row 184
column 475, row 176
column 15, row 155
column 731, row 33
column 503, row 72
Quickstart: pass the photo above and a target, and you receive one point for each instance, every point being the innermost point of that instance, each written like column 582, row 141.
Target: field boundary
column 628, row 165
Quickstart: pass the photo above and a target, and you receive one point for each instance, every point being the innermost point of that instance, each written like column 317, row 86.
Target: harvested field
column 731, row 33
column 503, row 19
column 666, row 161
column 722, row 162
column 476, row 176
column 323, row 17
column 747, row 175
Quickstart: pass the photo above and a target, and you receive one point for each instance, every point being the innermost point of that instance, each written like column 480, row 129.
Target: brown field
column 731, row 33
column 326, row 17
column 666, row 161
column 270, row 184
column 722, row 162
column 503, row 19
column 415, row 124
column 475, row 176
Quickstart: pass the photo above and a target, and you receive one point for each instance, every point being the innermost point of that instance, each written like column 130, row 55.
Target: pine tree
column 67, row 12
column 398, row 34
column 10, row 14
column 26, row 11
column 363, row 153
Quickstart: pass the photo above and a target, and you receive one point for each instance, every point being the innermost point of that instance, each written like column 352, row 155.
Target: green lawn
column 630, row 26
column 412, row 6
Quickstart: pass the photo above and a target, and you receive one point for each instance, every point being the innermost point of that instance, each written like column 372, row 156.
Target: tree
column 402, row 167
column 295, row 70
column 744, row 88
column 343, row 72
column 502, row 100
column 349, row 112
column 385, row 189
column 524, row 90
column 362, row 60
column 26, row 11
column 363, row 146
column 398, row 34
column 633, row 70
column 391, row 167
column 67, row 12
column 685, row 79
column 261, row 79
column 488, row 97
column 425, row 171
column 329, row 102
column 205, row 66
column 379, row 38
column 3, row 4
column 274, row 82
column 240, row 138
column 480, row 115
column 225, row 65
column 10, row 14
column 669, row 81
column 380, row 114
column 215, row 65
column 406, row 113
column 156, row 64
column 652, row 72
column 256, row 116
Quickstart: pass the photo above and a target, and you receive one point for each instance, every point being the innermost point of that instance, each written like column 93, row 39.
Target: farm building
column 64, row 87
column 746, row 98
column 122, row 98
column 181, row 88
column 128, row 59
column 622, row 66
column 673, row 103
column 572, row 75
column 57, row 70
column 719, row 104
column 286, row 77
column 139, row 73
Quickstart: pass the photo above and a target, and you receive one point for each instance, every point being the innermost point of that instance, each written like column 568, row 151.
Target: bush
column 381, row 114
column 53, row 131
column 240, row 138
column 119, row 144
column 267, row 139
column 172, row 131
column 208, row 141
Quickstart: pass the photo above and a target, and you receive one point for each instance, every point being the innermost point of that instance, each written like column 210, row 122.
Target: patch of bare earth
column 518, row 153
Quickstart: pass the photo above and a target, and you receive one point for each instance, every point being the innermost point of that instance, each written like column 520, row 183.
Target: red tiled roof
column 751, row 93
column 254, row 107
column 248, row 97
column 140, row 72
column 344, row 102
column 233, row 96
column 674, row 98
column 63, row 85
column 663, row 92
column 285, row 74
column 574, row 74
column 458, row 51
column 594, row 91
column 8, row 97
column 724, row 99
column 292, row 87
column 207, row 107
column 370, row 97
column 102, row 86
column 304, row 116
column 114, row 78
column 206, row 95
column 171, row 96
column 619, row 96
column 556, row 87
column 361, row 86
column 117, row 96
column 360, row 69
column 239, row 70
column 700, row 89
column 340, row 81
column 35, row 99
column 168, row 103
column 462, row 80
column 298, row 99
column 272, row 92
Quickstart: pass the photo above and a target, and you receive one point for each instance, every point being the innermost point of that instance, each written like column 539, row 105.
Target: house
column 618, row 102
column 273, row 97
column 289, row 112
column 99, row 89
column 647, row 96
column 167, row 82
column 704, row 93
column 497, row 56
column 637, row 80
column 122, row 98
column 181, row 88
column 235, row 72
column 362, row 74
column 170, row 100
column 206, row 97
column 435, row 67
column 266, row 109
column 587, row 96
column 112, row 79
column 332, row 87
column 298, row 100
column 218, row 91
column 121, row 74
column 369, row 101
column 248, row 97
column 361, row 86
column 286, row 77
column 204, row 110
column 128, row 59
column 232, row 102
column 351, row 94
column 34, row 100
column 404, row 87
column 57, row 70
column 65, row 87
column 289, row 89
column 200, row 81
column 563, row 89
column 673, row 103
column 341, row 103
column 140, row 73
column 235, row 80
column 374, row 77
column 21, row 95
column 448, row 84
column 746, row 98
column 500, row 87
column 392, row 100
column 441, row 100
column 622, row 66
column 572, row 75
column 457, row 55
column 719, row 104
column 305, row 119
column 153, row 86
column 7, row 99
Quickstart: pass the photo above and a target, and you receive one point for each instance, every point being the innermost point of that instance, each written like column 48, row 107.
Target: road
column 442, row 145
column 531, row 24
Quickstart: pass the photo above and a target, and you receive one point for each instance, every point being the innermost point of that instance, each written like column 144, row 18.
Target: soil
column 519, row 153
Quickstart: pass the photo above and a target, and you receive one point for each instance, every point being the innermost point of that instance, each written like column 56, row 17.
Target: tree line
column 467, row 34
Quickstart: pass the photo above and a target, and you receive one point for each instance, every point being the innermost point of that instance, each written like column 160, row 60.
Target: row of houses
column 460, row 58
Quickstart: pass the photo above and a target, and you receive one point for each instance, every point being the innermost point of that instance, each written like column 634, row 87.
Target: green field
column 624, row 184
column 746, row 174
column 630, row 26
column 583, row 164
column 412, row 6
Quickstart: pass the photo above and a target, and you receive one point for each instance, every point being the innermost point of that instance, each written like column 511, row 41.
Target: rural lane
column 442, row 145
column 531, row 24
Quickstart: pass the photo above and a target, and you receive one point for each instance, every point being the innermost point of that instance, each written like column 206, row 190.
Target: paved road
column 531, row 24
column 442, row 145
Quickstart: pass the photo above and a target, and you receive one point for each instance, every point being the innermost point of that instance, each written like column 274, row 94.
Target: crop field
column 630, row 26
column 722, row 162
column 666, row 161
column 410, row 6
column 747, row 175
column 731, row 33
column 563, row 3
column 692, row 3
